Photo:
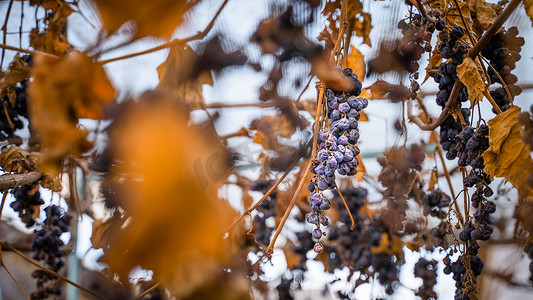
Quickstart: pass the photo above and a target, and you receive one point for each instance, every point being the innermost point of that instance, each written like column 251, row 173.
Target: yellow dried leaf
column 363, row 116
column 63, row 90
column 433, row 179
column 363, row 27
column 361, row 170
column 356, row 61
column 485, row 13
column 469, row 75
column 176, row 215
column 508, row 156
column 151, row 18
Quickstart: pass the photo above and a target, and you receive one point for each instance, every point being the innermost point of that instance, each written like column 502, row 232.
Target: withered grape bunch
column 338, row 150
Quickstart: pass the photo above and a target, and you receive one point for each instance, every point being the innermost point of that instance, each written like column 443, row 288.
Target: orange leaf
column 176, row 215
column 151, row 18
column 508, row 156
column 356, row 61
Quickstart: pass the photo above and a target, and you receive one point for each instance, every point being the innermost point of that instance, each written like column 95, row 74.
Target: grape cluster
column 503, row 52
column 449, row 133
column 352, row 248
column 266, row 210
column 337, row 152
column 14, row 108
column 427, row 271
column 27, row 200
column 453, row 50
column 416, row 39
column 45, row 245
column 463, row 276
column 434, row 202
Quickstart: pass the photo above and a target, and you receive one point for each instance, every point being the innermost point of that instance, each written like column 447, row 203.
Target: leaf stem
column 346, row 205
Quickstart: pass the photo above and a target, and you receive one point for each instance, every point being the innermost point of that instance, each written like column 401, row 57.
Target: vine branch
column 35, row 263
column 200, row 35
column 9, row 181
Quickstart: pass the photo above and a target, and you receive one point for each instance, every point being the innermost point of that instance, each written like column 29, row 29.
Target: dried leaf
column 433, row 179
column 485, row 13
column 454, row 17
column 63, row 90
column 356, row 61
column 19, row 161
column 269, row 128
column 469, row 75
column 393, row 246
column 363, row 116
column 331, row 76
column 363, row 27
column 17, row 71
column 361, row 170
column 384, row 90
column 508, row 156
column 177, row 217
column 151, row 18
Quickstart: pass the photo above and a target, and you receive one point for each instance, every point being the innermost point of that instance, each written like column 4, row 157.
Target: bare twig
column 32, row 52
column 9, row 181
column 248, row 211
column 35, row 263
column 237, row 105
column 270, row 248
column 305, row 89
column 16, row 282
column 200, row 35
column 4, row 29
column 155, row 286
column 346, row 205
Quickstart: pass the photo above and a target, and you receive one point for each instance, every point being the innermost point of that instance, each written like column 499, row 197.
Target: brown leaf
column 433, row 179
column 176, row 78
column 364, row 116
column 19, row 161
column 63, row 90
column 151, row 18
column 485, row 13
column 508, row 156
column 361, row 170
column 363, row 28
column 356, row 61
column 383, row 90
column 468, row 73
column 331, row 76
column 454, row 17
column 17, row 71
column 177, row 217
column 269, row 128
